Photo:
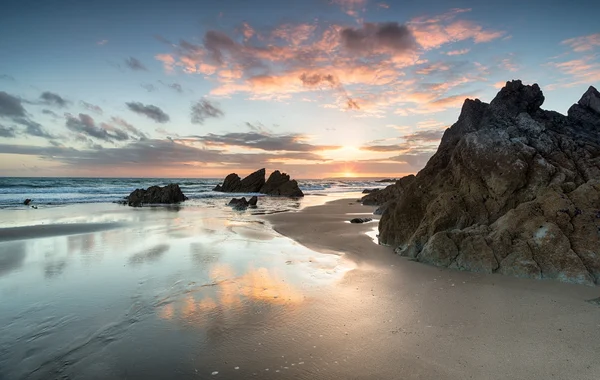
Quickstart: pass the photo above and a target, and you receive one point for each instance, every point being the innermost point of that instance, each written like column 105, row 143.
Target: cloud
column 263, row 141
column 351, row 7
column 102, row 42
column 150, row 111
column 50, row 112
column 52, row 99
column 433, row 32
column 153, row 155
column 388, row 37
column 85, row 125
column 10, row 106
column 205, row 109
column 8, row 78
column 135, row 64
column 583, row 43
column 7, row 132
column 91, row 107
column 584, row 70
column 148, row 87
column 33, row 129
column 174, row 86
column 130, row 128
column 458, row 52
column 383, row 148
column 431, row 135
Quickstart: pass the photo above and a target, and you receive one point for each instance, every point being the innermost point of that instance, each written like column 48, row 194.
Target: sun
column 348, row 174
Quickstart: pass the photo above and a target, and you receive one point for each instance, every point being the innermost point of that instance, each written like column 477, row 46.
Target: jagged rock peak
column 515, row 98
column 591, row 99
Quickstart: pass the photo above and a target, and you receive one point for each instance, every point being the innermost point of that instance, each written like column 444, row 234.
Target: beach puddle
column 162, row 286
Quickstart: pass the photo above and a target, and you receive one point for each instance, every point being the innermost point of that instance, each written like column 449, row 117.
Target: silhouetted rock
column 231, row 184
column 156, row 195
column 278, row 184
column 27, row 202
column 386, row 180
column 239, row 203
column 253, row 201
column 360, row 220
column 369, row 191
column 512, row 189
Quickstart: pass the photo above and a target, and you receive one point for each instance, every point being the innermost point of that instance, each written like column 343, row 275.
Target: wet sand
column 210, row 293
column 398, row 319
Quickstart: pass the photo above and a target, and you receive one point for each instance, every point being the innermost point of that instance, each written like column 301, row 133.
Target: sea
column 49, row 192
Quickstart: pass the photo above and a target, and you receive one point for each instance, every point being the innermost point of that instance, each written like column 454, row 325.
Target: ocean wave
column 60, row 191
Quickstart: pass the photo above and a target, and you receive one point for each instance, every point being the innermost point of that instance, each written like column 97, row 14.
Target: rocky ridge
column 512, row 189
column 168, row 194
column 278, row 184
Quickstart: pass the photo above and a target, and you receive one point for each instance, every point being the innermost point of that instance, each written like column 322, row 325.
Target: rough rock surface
column 512, row 189
column 278, row 184
column 156, row 195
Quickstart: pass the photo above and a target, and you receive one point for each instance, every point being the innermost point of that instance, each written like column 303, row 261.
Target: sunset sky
column 316, row 88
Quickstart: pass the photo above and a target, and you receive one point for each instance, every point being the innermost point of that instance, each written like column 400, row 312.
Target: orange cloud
column 583, row 43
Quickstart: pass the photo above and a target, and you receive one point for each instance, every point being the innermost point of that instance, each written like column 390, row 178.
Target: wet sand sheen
column 403, row 319
column 183, row 295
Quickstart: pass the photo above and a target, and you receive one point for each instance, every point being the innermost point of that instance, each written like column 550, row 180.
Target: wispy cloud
column 84, row 124
column 91, row 107
column 11, row 106
column 263, row 141
column 135, row 64
column 583, row 43
column 458, row 52
column 102, row 42
column 52, row 99
column 150, row 111
column 205, row 109
column 7, row 132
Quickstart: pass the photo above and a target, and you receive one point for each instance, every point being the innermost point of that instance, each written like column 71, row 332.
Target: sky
column 315, row 88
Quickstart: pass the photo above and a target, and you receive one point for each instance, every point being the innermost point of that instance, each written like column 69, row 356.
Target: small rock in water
column 360, row 220
column 27, row 202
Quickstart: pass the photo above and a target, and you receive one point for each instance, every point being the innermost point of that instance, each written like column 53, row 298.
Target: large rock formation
column 512, row 189
column 156, row 195
column 278, row 184
column 251, row 184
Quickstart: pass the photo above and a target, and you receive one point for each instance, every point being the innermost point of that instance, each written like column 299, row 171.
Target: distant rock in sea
column 156, row 195
column 278, row 184
column 242, row 203
column 512, row 189
column 387, row 180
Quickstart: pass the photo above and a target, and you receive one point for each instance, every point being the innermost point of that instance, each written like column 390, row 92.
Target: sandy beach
column 207, row 293
column 406, row 320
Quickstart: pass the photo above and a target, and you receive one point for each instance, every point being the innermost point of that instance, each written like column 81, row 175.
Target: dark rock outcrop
column 239, row 203
column 512, row 189
column 278, row 184
column 369, row 191
column 360, row 220
column 27, row 202
column 386, row 180
column 379, row 197
column 156, row 195
column 253, row 201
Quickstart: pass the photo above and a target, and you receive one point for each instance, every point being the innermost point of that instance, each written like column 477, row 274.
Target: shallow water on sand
column 156, row 297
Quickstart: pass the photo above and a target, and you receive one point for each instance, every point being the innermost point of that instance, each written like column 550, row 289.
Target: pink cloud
column 458, row 52
column 294, row 34
column 434, row 32
column 583, row 43
column 351, row 7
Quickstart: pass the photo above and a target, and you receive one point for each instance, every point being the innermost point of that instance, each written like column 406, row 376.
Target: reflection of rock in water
column 12, row 256
column 54, row 268
column 148, row 255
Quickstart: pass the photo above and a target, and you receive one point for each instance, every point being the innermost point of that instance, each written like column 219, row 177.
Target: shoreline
column 419, row 321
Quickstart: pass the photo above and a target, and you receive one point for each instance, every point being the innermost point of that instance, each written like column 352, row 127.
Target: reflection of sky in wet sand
column 65, row 298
